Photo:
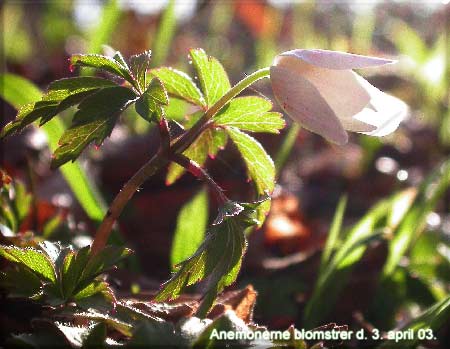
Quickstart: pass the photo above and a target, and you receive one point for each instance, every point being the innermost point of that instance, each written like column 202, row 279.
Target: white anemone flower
column 319, row 90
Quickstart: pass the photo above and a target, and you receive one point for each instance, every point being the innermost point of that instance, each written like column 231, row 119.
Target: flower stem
column 162, row 158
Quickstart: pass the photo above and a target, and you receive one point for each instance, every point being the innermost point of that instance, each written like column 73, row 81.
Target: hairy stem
column 163, row 157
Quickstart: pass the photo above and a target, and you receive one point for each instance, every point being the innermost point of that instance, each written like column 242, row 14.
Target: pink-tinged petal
column 334, row 59
column 341, row 89
column 384, row 111
column 301, row 100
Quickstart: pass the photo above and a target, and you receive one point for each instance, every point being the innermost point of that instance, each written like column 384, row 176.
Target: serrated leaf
column 214, row 80
column 260, row 166
column 207, row 144
column 252, row 114
column 92, row 289
column 218, row 258
column 139, row 64
column 150, row 103
column 94, row 121
column 190, row 229
column 115, row 323
column 102, row 261
column 180, row 85
column 74, row 264
column 153, row 334
column 31, row 258
column 27, row 115
column 105, row 63
column 59, row 90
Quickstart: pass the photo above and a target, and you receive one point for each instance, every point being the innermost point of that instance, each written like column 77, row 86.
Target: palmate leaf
column 218, row 258
column 33, row 259
column 150, row 104
column 115, row 66
column 61, row 94
column 139, row 64
column 252, row 114
column 180, row 85
column 260, row 166
column 214, row 80
column 93, row 121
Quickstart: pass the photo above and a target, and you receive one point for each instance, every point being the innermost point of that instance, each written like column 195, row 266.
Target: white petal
column 384, row 111
column 335, row 59
column 301, row 100
column 341, row 89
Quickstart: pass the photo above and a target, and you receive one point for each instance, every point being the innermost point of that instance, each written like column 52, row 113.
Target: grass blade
column 335, row 229
column 102, row 33
column 164, row 35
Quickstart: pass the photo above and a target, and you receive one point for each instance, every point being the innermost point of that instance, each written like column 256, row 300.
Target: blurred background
column 283, row 257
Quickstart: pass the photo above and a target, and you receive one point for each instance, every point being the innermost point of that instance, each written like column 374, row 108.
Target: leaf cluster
column 56, row 274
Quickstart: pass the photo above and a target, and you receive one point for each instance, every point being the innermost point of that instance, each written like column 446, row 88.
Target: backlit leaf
column 31, row 258
column 150, row 103
column 191, row 227
column 213, row 78
column 252, row 114
column 218, row 258
column 139, row 64
column 94, row 121
column 105, row 63
column 180, row 85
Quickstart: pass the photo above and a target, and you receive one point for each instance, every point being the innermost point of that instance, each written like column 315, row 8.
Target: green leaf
column 431, row 319
column 94, row 121
column 207, row 144
column 31, row 258
column 74, row 264
column 139, row 64
column 105, row 63
column 180, row 85
column 21, row 282
column 121, row 326
column 213, row 78
column 334, row 274
column 191, row 227
column 218, row 258
column 150, row 103
column 413, row 222
column 252, row 114
column 333, row 234
column 154, row 334
column 28, row 114
column 92, row 289
column 96, row 337
column 59, row 90
column 18, row 91
column 260, row 166
column 103, row 261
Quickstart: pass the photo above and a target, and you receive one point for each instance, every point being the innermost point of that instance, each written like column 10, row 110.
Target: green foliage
column 59, row 274
column 150, row 104
column 211, row 74
column 116, row 65
column 139, row 64
column 18, row 91
column 218, row 258
column 94, row 121
column 414, row 219
column 15, row 204
column 180, row 85
column 250, row 114
column 191, row 226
